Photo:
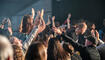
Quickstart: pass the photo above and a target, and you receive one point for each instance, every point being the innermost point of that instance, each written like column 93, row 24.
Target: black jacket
column 75, row 57
column 101, row 50
column 78, row 38
column 87, row 53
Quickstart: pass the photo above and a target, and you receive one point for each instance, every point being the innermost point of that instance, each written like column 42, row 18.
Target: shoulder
column 21, row 36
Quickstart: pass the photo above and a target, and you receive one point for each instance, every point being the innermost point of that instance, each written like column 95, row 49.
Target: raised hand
column 37, row 19
column 33, row 13
column 9, row 26
column 38, row 13
column 68, row 21
column 4, row 21
column 53, row 21
column 56, row 30
column 42, row 12
column 53, row 18
column 69, row 15
column 97, row 35
column 9, row 22
column 42, row 24
column 49, row 21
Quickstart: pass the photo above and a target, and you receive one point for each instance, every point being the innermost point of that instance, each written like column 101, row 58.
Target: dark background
column 91, row 10
column 12, row 7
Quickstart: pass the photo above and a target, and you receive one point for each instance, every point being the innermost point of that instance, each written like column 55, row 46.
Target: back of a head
column 36, row 51
column 56, row 51
column 6, row 52
column 69, row 48
column 82, row 27
column 92, row 39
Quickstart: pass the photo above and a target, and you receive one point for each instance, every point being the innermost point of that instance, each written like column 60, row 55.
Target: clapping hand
column 56, row 30
column 68, row 21
column 33, row 13
column 49, row 21
column 53, row 21
column 42, row 24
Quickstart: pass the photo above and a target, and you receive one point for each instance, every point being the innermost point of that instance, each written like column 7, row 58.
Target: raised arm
column 76, row 45
column 37, row 18
column 68, row 21
column 2, row 23
column 33, row 13
column 42, row 24
column 9, row 26
column 49, row 20
column 36, row 30
column 66, row 38
column 53, row 21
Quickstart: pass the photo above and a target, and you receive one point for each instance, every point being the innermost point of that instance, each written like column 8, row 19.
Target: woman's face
column 93, row 26
column 17, row 42
column 30, row 20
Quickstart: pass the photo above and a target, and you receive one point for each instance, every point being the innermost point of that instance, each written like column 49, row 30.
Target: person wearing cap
column 87, row 51
column 90, row 40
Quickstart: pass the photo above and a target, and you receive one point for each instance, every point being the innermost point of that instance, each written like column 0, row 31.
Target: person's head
column 6, row 51
column 26, row 24
column 82, row 27
column 63, row 28
column 45, row 35
column 91, row 40
column 57, row 23
column 36, row 51
column 56, row 51
column 16, row 41
column 93, row 26
column 69, row 48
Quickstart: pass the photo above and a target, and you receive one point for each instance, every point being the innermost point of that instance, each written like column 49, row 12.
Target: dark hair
column 55, row 50
column 45, row 35
column 36, row 51
column 80, row 25
column 69, row 48
column 26, row 24
column 92, row 39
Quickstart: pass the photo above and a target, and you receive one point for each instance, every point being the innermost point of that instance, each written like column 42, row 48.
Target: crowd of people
column 36, row 40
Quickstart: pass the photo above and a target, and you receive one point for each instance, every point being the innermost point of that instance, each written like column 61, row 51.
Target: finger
column 69, row 15
column 33, row 13
column 42, row 12
column 53, row 18
column 38, row 13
